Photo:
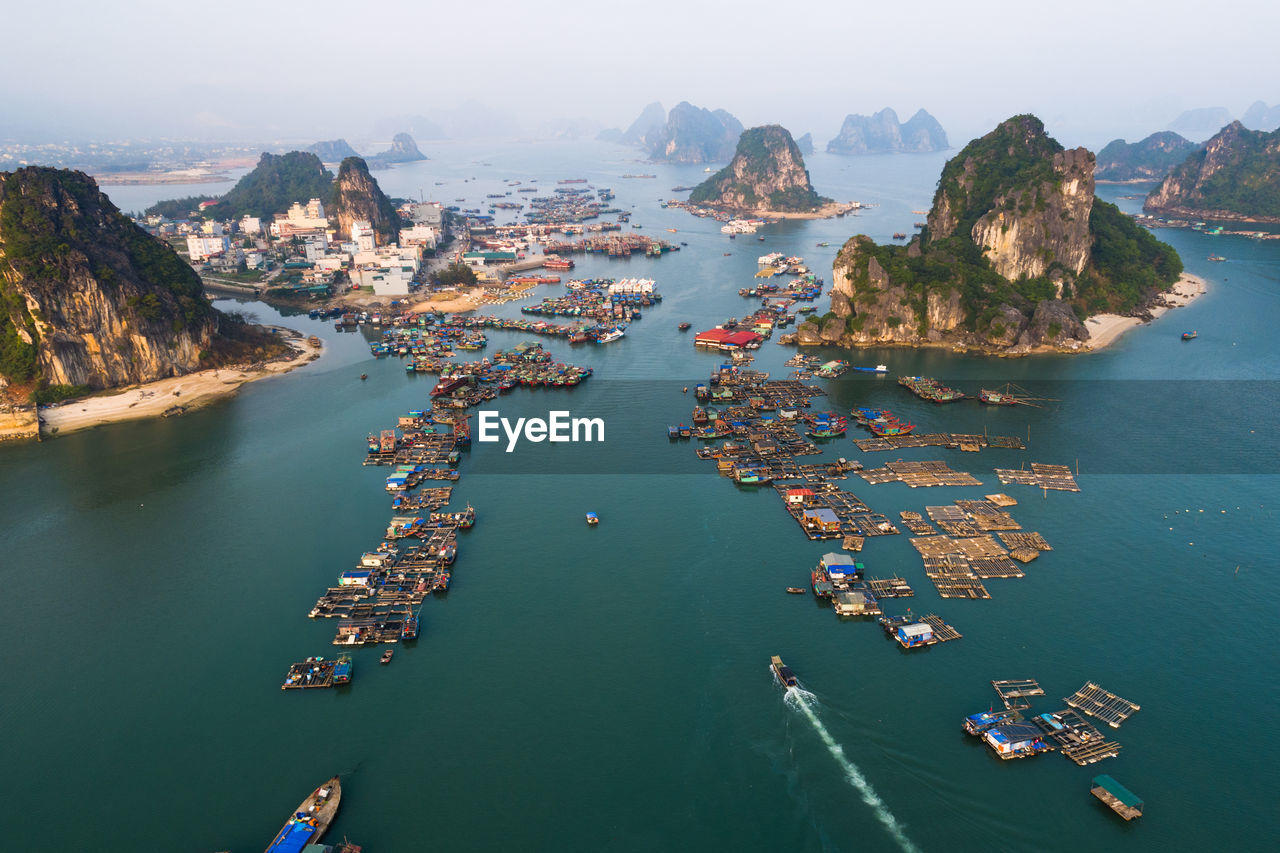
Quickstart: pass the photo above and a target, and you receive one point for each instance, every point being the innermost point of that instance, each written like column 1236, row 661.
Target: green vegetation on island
column 276, row 182
column 767, row 173
column 1235, row 175
column 1148, row 160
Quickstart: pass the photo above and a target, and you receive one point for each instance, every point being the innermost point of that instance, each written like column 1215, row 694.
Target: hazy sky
column 281, row 69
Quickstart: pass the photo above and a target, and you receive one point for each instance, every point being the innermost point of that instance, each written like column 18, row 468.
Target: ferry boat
column 783, row 673
column 611, row 335
column 592, row 519
column 1187, row 336
column 309, row 820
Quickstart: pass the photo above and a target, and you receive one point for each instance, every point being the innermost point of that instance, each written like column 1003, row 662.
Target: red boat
column 448, row 385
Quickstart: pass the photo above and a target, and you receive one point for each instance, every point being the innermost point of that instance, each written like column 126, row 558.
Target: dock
column 1102, row 704
column 1077, row 739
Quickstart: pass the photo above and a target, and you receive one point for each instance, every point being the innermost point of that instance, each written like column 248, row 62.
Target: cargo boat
column 783, row 673
column 309, row 820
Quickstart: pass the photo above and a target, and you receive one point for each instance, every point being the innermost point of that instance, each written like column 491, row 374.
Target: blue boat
column 310, row 820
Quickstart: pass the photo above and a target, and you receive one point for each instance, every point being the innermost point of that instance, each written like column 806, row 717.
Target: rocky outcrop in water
column 766, row 174
column 1235, row 176
column 647, row 126
column 333, row 150
column 356, row 197
column 1015, row 252
column 694, row 135
column 1148, row 160
column 805, row 144
column 1259, row 116
column 403, row 150
column 86, row 297
column 882, row 134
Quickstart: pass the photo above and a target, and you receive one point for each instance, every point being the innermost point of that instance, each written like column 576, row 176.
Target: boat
column 879, row 368
column 364, row 376
column 1216, row 258
column 1118, row 798
column 783, row 673
column 976, row 724
column 797, row 590
column 898, row 235
column 1187, row 336
column 386, row 656
column 611, row 335
column 684, row 327
column 592, row 519
column 447, row 385
column 930, row 389
column 309, row 820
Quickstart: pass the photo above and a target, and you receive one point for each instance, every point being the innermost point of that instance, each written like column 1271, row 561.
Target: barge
column 309, row 820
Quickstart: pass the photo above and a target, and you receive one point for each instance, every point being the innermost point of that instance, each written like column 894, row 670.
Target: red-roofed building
column 799, row 496
column 727, row 340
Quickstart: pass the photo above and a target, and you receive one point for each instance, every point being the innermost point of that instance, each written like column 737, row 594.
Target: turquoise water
column 608, row 688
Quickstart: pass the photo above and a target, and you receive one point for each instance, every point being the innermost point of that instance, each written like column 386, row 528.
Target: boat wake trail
column 802, row 700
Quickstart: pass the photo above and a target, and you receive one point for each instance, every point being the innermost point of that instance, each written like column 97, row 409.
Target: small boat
column 797, row 590
column 785, row 676
column 310, row 819
column 684, row 327
column 1216, row 258
column 364, row 376
column 1187, row 336
column 898, row 235
column 386, row 656
column 592, row 519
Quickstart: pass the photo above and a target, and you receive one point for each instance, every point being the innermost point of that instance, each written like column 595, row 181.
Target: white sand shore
column 155, row 398
column 1104, row 329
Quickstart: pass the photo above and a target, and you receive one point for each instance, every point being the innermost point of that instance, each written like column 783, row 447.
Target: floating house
column 855, row 603
column 822, row 519
column 916, row 634
column 798, row 497
column 841, row 567
column 724, row 339
column 1016, row 740
column 356, row 578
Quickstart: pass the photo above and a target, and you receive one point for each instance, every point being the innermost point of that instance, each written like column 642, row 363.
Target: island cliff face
column 1148, row 160
column 86, row 297
column 1016, row 251
column 694, row 135
column 356, row 196
column 767, row 174
column 882, row 133
column 332, row 150
column 1235, row 176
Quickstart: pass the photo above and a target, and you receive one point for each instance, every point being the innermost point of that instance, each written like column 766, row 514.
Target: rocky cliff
column 882, row 133
column 1016, row 251
column 356, row 196
column 86, row 297
column 276, row 182
column 805, row 144
column 767, row 174
column 1235, row 176
column 694, row 135
column 1148, row 160
column 333, row 150
column 647, row 125
column 403, row 150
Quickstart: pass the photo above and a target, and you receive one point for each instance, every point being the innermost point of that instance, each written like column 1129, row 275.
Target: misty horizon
column 512, row 72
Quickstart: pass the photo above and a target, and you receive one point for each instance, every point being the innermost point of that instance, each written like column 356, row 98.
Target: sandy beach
column 1104, row 329
column 153, row 399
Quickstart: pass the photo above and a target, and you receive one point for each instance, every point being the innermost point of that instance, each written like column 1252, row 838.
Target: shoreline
column 183, row 393
column 1105, row 329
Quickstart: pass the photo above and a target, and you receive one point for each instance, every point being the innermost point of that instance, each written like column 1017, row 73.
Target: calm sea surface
column 608, row 688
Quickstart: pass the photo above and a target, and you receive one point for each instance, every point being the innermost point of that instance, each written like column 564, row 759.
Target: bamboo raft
column 919, row 474
column 1102, row 704
column 1057, row 477
column 951, row 441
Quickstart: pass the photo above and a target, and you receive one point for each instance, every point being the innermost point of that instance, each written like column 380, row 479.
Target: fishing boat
column 797, row 590
column 342, row 670
column 684, row 327
column 685, row 432
column 1216, row 258
column 447, row 385
column 409, row 630
column 309, row 820
column 592, row 519
column 930, row 389
column 889, row 426
column 1187, row 336
column 898, row 235
column 386, row 656
column 673, row 432
column 783, row 673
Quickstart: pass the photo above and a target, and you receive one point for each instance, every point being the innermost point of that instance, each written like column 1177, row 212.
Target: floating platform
column 317, row 673
column 1056, row 477
column 1014, row 693
column 915, row 522
column 1077, row 739
column 951, row 441
column 1102, row 704
column 919, row 475
column 889, row 588
column 1118, row 798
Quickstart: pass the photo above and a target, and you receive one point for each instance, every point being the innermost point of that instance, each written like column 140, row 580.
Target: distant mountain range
column 882, row 133
column 687, row 134
column 1148, row 160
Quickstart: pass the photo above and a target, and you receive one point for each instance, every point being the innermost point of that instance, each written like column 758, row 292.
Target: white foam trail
column 801, row 699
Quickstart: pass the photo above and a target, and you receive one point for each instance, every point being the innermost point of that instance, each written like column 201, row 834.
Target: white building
column 385, row 281
column 250, row 225
column 431, row 213
column 202, row 248
column 425, row 236
column 301, row 219
column 363, row 236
